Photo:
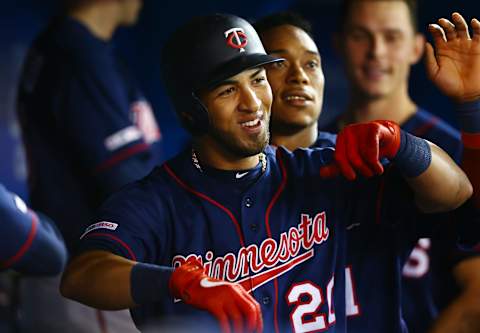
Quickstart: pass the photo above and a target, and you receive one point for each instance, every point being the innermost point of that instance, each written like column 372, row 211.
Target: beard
column 241, row 148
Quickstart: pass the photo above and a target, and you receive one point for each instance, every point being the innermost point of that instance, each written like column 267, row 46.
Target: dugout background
column 21, row 20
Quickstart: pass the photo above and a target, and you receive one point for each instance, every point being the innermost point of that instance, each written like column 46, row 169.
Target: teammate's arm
column 463, row 314
column 30, row 242
column 454, row 67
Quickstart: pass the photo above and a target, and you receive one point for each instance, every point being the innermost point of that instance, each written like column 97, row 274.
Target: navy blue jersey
column 395, row 283
column 30, row 244
column 87, row 128
column 427, row 276
column 282, row 235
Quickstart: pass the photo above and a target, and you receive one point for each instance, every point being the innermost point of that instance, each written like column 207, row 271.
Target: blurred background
column 22, row 20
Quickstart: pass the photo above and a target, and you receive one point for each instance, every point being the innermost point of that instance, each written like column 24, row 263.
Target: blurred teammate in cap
column 232, row 234
column 88, row 130
column 297, row 86
column 379, row 42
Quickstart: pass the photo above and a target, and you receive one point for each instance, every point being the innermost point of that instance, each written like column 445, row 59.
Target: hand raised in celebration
column 230, row 303
column 454, row 64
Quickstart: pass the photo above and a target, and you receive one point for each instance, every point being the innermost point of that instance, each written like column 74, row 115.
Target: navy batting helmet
column 203, row 53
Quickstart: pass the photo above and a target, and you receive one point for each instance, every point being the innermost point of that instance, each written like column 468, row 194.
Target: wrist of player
column 469, row 121
column 149, row 282
column 413, row 156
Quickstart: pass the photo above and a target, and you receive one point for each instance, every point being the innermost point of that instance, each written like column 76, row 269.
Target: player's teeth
column 289, row 98
column 251, row 123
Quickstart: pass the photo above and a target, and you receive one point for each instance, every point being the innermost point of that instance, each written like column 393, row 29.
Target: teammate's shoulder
column 301, row 158
column 425, row 123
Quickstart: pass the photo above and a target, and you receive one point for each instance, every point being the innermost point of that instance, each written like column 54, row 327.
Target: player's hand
column 454, row 65
column 230, row 303
column 360, row 147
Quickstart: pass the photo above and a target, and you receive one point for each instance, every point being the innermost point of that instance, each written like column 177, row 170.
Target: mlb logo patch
column 100, row 225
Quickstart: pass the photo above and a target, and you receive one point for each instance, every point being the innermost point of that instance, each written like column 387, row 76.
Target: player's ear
column 418, row 48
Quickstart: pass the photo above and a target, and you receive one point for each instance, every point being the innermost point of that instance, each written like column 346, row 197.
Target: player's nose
column 297, row 75
column 249, row 100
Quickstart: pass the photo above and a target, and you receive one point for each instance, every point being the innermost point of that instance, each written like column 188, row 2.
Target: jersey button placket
column 266, row 300
column 248, row 202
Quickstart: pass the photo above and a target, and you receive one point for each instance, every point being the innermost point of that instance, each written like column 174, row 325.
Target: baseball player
column 88, row 130
column 379, row 42
column 252, row 236
column 31, row 244
column 87, row 127
column 297, row 86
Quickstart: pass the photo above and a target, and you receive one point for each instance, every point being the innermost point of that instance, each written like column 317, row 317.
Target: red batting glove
column 360, row 147
column 230, row 303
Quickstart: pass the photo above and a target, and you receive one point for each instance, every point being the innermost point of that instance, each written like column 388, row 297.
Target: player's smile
column 253, row 125
column 297, row 98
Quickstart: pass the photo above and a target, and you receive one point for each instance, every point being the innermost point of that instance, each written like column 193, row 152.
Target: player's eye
column 260, row 80
column 393, row 37
column 278, row 64
column 226, row 91
column 313, row 64
column 358, row 35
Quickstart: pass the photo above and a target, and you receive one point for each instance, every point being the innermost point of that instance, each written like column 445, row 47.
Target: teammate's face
column 129, row 11
column 379, row 45
column 239, row 111
column 298, row 82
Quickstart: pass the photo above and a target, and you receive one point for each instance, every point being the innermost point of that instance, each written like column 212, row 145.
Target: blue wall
column 21, row 20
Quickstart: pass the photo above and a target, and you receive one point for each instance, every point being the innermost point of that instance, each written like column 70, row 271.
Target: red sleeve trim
column 471, row 140
column 118, row 240
column 26, row 245
column 121, row 156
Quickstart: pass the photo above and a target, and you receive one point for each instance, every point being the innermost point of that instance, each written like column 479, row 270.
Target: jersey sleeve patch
column 100, row 225
column 123, row 138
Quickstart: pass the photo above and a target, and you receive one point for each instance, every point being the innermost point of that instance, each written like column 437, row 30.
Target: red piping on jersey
column 121, row 156
column 207, row 198
column 471, row 140
column 422, row 129
column 115, row 238
column 26, row 245
column 269, row 233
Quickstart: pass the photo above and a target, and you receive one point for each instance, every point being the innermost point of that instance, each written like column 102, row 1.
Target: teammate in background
column 231, row 226
column 297, row 86
column 297, row 82
column 87, row 128
column 379, row 42
column 30, row 243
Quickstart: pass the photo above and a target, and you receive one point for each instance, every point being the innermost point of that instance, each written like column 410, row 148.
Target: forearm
column 99, row 279
column 463, row 314
column 442, row 186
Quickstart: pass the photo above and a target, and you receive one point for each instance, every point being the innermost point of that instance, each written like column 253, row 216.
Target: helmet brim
column 238, row 65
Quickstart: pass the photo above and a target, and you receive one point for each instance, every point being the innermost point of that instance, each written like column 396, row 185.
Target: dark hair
column 283, row 18
column 347, row 4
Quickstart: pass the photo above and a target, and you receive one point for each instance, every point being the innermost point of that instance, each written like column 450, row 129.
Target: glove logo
column 236, row 38
column 206, row 283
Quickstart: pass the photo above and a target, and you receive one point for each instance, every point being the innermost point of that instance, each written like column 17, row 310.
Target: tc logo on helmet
column 236, row 38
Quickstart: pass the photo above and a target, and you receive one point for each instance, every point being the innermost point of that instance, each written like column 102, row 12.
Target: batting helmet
column 203, row 53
